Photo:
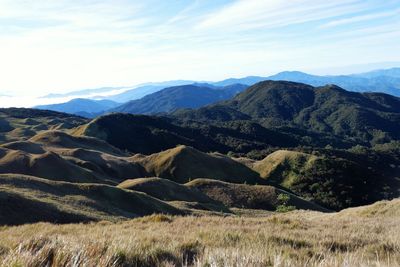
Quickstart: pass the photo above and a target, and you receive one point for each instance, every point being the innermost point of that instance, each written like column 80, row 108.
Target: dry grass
column 17, row 128
column 297, row 238
column 293, row 160
column 182, row 164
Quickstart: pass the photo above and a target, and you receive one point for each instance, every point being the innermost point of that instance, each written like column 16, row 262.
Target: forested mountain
column 364, row 118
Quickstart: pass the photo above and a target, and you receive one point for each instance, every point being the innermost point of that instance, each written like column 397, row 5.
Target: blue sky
column 63, row 45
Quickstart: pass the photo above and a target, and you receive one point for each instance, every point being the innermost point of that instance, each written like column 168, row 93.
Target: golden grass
column 182, row 164
column 273, row 161
column 17, row 129
column 297, row 238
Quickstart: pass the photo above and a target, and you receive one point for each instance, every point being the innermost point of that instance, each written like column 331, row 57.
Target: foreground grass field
column 365, row 236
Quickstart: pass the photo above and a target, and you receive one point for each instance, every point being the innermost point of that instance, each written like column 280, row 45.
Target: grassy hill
column 165, row 189
column 18, row 124
column 249, row 196
column 183, row 163
column 65, row 140
column 27, row 199
column 176, row 194
column 300, row 238
column 59, row 156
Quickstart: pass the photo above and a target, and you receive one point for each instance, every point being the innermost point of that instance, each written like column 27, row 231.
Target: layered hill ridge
column 18, row 124
column 87, row 159
column 59, row 156
column 65, row 140
column 27, row 199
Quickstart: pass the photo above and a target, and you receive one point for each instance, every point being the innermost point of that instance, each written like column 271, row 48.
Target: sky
column 55, row 46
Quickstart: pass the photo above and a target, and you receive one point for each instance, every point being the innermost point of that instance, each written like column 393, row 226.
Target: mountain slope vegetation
column 150, row 134
column 358, row 118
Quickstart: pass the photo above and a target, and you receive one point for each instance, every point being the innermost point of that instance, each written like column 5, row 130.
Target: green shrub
column 283, row 200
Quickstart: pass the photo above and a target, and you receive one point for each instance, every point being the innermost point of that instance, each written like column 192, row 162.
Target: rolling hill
column 81, row 159
column 176, row 194
column 18, row 124
column 150, row 134
column 183, row 163
column 249, row 196
column 27, row 199
column 331, row 178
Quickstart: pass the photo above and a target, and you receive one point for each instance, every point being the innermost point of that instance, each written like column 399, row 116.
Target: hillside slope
column 332, row 179
column 249, row 196
column 27, row 199
column 20, row 124
column 181, row 164
column 150, row 134
column 56, row 155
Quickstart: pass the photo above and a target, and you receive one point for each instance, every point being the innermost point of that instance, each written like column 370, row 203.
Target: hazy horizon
column 58, row 46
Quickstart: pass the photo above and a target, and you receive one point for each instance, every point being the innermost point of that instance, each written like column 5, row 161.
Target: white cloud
column 361, row 18
column 52, row 46
column 250, row 14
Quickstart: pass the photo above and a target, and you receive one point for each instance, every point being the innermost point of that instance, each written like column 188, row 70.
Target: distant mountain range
column 129, row 93
column 81, row 106
column 185, row 96
column 83, row 93
column 145, row 89
column 384, row 81
column 168, row 96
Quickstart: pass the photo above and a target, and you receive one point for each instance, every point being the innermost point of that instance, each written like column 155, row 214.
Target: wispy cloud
column 249, row 14
column 61, row 45
column 361, row 18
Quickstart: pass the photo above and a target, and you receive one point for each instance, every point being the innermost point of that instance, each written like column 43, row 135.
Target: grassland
column 365, row 236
